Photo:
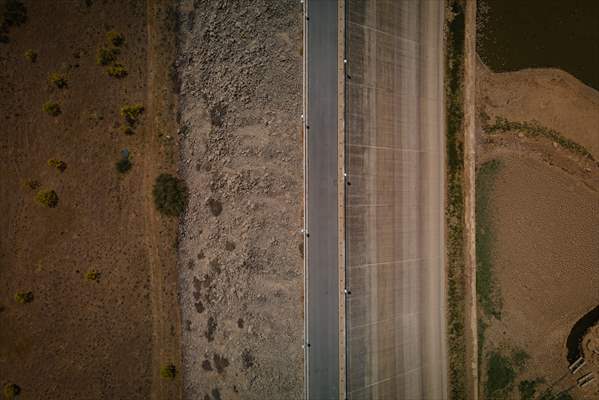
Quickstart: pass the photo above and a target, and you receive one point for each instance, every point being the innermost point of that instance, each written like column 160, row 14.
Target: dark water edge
column 517, row 34
column 577, row 333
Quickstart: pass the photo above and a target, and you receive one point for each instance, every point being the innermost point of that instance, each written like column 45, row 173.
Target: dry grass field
column 87, row 283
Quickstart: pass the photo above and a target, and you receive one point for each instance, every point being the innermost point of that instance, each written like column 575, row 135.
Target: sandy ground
column 240, row 259
column 545, row 213
column 590, row 347
column 552, row 97
column 81, row 339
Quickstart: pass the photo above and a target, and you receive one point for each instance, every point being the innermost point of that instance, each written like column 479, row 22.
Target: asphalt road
column 321, row 245
column 394, row 153
column 395, row 204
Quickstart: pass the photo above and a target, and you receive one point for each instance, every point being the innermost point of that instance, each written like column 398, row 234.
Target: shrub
column 168, row 371
column 11, row 390
column 58, row 80
column 487, row 289
column 217, row 114
column 92, row 275
column 127, row 130
column 520, row 358
column 52, row 108
column 58, row 164
column 500, row 375
column 24, row 297
column 206, row 366
column 247, row 358
column 549, row 395
column 31, row 184
column 527, row 389
column 106, row 56
column 31, row 55
column 123, row 165
column 170, row 195
column 117, row 71
column 215, row 206
column 533, row 129
column 15, row 14
column 48, row 198
column 220, row 363
column 131, row 113
column 115, row 38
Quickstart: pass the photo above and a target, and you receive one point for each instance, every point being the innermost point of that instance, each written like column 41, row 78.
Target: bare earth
column 545, row 214
column 80, row 339
column 241, row 278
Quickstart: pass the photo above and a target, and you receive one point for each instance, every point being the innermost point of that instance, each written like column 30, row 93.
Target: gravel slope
column 240, row 263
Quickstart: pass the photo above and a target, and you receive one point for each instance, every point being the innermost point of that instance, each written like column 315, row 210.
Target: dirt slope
column 240, row 261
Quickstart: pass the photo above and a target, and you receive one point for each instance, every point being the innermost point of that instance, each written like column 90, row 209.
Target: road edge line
column 304, row 118
column 341, row 194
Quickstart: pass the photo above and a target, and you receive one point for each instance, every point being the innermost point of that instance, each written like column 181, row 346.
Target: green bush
column 52, row 108
column 115, row 38
column 15, row 13
column 117, row 71
column 168, row 371
column 131, row 113
column 500, row 375
column 24, row 297
column 58, row 164
column 31, row 55
column 487, row 288
column 123, row 165
column 92, row 275
column 11, row 390
column 48, row 198
column 106, row 56
column 527, row 389
column 520, row 358
column 549, row 395
column 170, row 195
column 31, row 184
column 58, row 80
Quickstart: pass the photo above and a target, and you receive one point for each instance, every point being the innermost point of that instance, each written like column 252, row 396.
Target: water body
column 578, row 331
column 517, row 34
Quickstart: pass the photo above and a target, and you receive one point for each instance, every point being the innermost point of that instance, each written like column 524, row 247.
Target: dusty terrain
column 80, row 338
column 590, row 346
column 543, row 208
column 240, row 253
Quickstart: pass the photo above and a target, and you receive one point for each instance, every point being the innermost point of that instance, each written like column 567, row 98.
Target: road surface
column 321, row 239
column 395, row 204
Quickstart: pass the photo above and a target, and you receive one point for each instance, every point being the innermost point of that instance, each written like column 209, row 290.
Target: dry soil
column 240, row 252
column 544, row 207
column 81, row 339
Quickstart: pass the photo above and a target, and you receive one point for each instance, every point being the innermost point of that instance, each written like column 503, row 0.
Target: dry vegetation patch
column 537, row 212
column 56, row 102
